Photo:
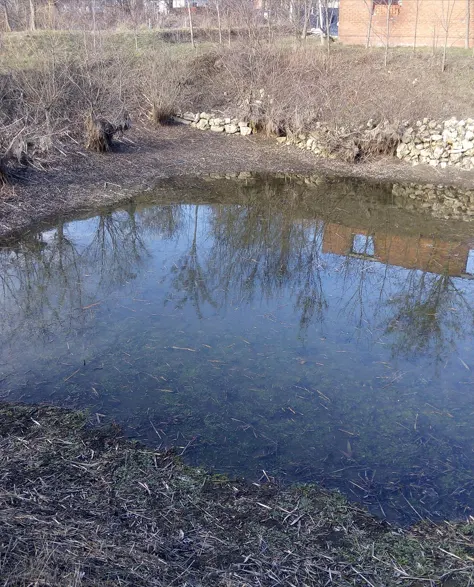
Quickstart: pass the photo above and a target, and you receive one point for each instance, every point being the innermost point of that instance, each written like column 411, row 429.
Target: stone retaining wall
column 439, row 143
column 216, row 123
column 433, row 142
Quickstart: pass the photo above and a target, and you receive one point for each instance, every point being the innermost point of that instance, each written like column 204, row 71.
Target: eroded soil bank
column 84, row 181
column 83, row 506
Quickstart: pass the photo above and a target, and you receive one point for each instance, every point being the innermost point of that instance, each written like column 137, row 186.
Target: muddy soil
column 80, row 180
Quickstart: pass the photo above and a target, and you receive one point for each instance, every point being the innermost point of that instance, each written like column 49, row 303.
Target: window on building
column 363, row 245
column 381, row 7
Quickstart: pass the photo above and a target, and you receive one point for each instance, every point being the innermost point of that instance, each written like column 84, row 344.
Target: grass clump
column 83, row 506
column 100, row 132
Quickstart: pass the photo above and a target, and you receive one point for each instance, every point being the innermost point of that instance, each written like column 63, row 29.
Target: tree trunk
column 417, row 8
column 94, row 23
column 387, row 32
column 370, row 8
column 328, row 36
column 8, row 27
column 445, row 50
column 191, row 28
column 304, row 32
column 51, row 13
column 219, row 23
column 321, row 18
column 468, row 23
column 32, row 15
column 269, row 7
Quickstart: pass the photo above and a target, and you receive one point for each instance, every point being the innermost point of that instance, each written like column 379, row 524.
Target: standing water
column 266, row 327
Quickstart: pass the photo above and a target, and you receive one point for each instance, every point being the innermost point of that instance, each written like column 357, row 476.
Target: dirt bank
column 82, row 506
column 84, row 180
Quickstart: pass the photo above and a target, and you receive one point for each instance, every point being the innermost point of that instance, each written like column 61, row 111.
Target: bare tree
column 191, row 28
column 417, row 15
column 446, row 17
column 370, row 8
column 32, row 19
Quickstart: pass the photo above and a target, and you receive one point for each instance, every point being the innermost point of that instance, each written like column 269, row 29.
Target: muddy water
column 267, row 328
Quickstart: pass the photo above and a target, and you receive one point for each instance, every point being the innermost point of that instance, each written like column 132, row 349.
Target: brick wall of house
column 434, row 16
column 408, row 252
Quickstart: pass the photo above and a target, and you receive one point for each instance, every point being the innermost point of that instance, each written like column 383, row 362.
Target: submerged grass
column 82, row 506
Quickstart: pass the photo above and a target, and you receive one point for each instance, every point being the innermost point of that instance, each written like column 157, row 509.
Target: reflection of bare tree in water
column 43, row 278
column 190, row 281
column 310, row 300
column 256, row 249
column 117, row 249
column 38, row 280
column 163, row 221
column 361, row 279
column 429, row 313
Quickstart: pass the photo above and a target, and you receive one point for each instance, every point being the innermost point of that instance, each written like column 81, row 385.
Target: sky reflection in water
column 316, row 340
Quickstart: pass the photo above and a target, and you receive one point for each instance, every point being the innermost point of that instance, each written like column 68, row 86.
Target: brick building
column 420, row 22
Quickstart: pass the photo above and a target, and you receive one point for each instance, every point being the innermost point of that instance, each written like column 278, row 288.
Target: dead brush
column 161, row 114
column 362, row 144
column 100, row 132
column 380, row 140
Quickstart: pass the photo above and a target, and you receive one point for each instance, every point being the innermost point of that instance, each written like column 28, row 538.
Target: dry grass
column 281, row 88
column 82, row 506
column 294, row 86
column 161, row 114
column 100, row 132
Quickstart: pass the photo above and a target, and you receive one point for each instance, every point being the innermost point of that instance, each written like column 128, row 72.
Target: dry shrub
column 381, row 140
column 160, row 80
column 161, row 113
column 48, row 102
column 362, row 143
column 280, row 88
column 100, row 132
column 294, row 86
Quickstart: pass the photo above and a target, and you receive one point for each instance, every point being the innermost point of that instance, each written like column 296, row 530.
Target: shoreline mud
column 86, row 181
column 82, row 505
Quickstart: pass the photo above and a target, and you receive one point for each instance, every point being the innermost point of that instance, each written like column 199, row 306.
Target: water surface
column 267, row 327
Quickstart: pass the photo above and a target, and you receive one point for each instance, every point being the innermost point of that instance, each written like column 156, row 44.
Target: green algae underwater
column 282, row 329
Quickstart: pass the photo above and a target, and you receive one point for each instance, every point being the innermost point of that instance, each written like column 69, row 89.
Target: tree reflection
column 190, row 281
column 429, row 313
column 263, row 248
column 48, row 278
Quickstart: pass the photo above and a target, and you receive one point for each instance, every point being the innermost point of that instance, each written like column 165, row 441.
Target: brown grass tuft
column 161, row 114
column 99, row 134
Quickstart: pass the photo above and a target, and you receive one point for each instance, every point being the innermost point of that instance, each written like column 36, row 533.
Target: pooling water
column 270, row 331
